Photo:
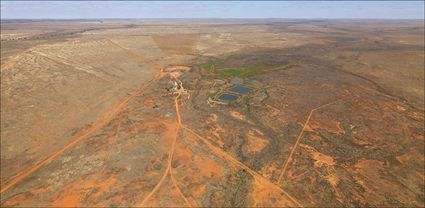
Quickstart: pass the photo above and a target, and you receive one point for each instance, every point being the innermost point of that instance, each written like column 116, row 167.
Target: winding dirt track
column 169, row 168
column 102, row 120
column 180, row 124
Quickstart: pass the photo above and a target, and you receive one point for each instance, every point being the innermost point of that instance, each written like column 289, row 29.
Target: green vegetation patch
column 238, row 72
column 210, row 66
column 243, row 72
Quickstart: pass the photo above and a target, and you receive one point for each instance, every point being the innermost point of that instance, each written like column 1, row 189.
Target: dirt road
column 102, row 120
column 297, row 142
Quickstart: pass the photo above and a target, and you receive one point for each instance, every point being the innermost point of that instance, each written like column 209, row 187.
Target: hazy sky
column 211, row 9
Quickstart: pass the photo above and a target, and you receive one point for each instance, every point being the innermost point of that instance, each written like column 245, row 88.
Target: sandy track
column 173, row 135
column 135, row 55
column 68, row 63
column 177, row 126
column 285, row 166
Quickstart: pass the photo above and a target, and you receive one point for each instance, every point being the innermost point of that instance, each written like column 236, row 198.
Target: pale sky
column 212, row 9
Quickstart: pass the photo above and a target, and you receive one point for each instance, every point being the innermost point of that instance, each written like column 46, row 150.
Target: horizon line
column 209, row 18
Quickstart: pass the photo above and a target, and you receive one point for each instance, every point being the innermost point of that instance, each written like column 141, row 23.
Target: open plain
column 223, row 113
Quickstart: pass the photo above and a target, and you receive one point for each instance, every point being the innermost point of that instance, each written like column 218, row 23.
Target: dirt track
column 299, row 137
column 104, row 118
